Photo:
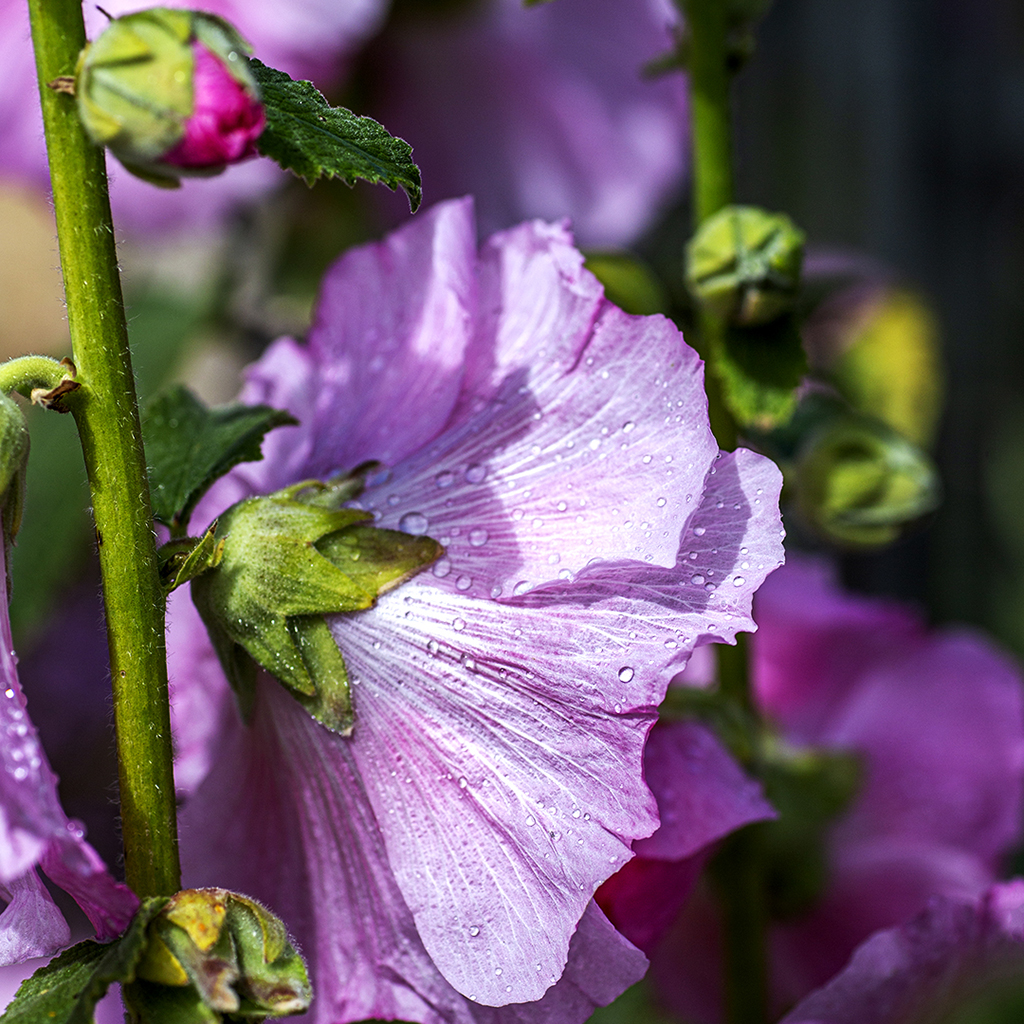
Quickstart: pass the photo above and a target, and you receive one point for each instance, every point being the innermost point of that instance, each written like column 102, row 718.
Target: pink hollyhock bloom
column 305, row 38
column 226, row 120
column 938, row 721
column 35, row 832
column 955, row 952
column 543, row 112
column 439, row 865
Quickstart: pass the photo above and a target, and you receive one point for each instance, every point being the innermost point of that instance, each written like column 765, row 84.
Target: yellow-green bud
column 859, row 483
column 211, row 952
column 743, row 265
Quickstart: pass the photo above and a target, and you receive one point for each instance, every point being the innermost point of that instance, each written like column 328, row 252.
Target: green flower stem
column 737, row 869
column 27, row 373
column 106, row 412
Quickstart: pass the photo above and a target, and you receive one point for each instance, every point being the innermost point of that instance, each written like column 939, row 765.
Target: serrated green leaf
column 68, row 988
column 760, row 369
column 189, row 446
column 309, row 137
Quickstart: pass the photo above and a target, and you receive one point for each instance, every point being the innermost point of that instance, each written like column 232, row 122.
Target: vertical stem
column 106, row 412
column 737, row 868
column 709, row 105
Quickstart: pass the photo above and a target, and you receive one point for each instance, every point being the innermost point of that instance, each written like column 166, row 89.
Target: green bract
column 134, row 83
column 285, row 561
column 743, row 265
column 13, row 460
column 859, row 482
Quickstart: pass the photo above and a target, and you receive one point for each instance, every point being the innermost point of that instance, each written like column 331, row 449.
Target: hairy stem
column 106, row 412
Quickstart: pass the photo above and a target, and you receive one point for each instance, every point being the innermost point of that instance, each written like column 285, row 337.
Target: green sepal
column 67, row 989
column 189, row 446
column 183, row 560
column 287, row 560
column 309, row 137
column 760, row 369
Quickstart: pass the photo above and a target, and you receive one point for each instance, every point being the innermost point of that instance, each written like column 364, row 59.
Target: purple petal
column 30, row 924
column 908, row 975
column 702, row 792
column 544, row 112
column 816, row 642
column 322, row 863
column 956, row 777
column 34, row 828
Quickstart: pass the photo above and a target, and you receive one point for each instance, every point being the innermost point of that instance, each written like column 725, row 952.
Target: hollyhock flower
column 439, row 864
column 305, row 38
column 542, row 112
column 936, row 720
column 35, row 833
column 955, row 955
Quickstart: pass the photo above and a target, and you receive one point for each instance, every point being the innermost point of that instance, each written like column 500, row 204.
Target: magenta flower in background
column 305, row 38
column 938, row 722
column 439, row 865
column 953, row 953
column 542, row 112
column 35, row 832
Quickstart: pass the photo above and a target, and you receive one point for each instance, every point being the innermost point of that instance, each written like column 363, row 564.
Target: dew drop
column 444, row 479
column 628, row 427
column 646, row 460
column 661, row 503
column 476, row 473
column 414, row 522
column 459, row 625
column 474, row 931
column 698, row 579
column 442, row 567
column 464, row 582
column 478, row 537
column 521, row 588
column 393, row 500
column 463, row 783
column 561, row 506
column 699, row 531
column 496, row 590
column 517, row 514
column 433, row 646
column 531, row 820
column 738, row 581
column 626, row 674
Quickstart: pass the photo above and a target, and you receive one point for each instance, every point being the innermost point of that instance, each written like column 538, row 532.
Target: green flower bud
column 210, row 953
column 743, row 265
column 859, row 483
column 285, row 561
column 170, row 93
column 13, row 462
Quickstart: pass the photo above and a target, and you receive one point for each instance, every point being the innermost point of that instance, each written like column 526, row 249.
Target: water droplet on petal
column 442, row 567
column 414, row 522
column 626, row 674
column 521, row 588
column 474, row 931
column 459, row 625
column 699, row 531
column 444, row 479
column 464, row 582
column 698, row 579
column 738, row 581
column 628, row 427
column 531, row 820
column 393, row 499
column 478, row 537
column 476, row 473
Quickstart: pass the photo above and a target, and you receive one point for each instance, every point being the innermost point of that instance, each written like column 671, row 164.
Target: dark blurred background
column 896, row 127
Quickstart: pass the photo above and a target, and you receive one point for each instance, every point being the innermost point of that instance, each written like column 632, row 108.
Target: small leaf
column 760, row 369
column 188, row 447
column 68, row 988
column 309, row 137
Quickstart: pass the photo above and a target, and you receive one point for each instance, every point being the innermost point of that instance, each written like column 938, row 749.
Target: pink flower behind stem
column 938, row 720
column 439, row 865
column 226, row 119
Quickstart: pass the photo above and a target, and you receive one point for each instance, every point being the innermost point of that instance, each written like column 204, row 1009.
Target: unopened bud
column 228, row 953
column 859, row 483
column 286, row 560
column 170, row 93
column 744, row 264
